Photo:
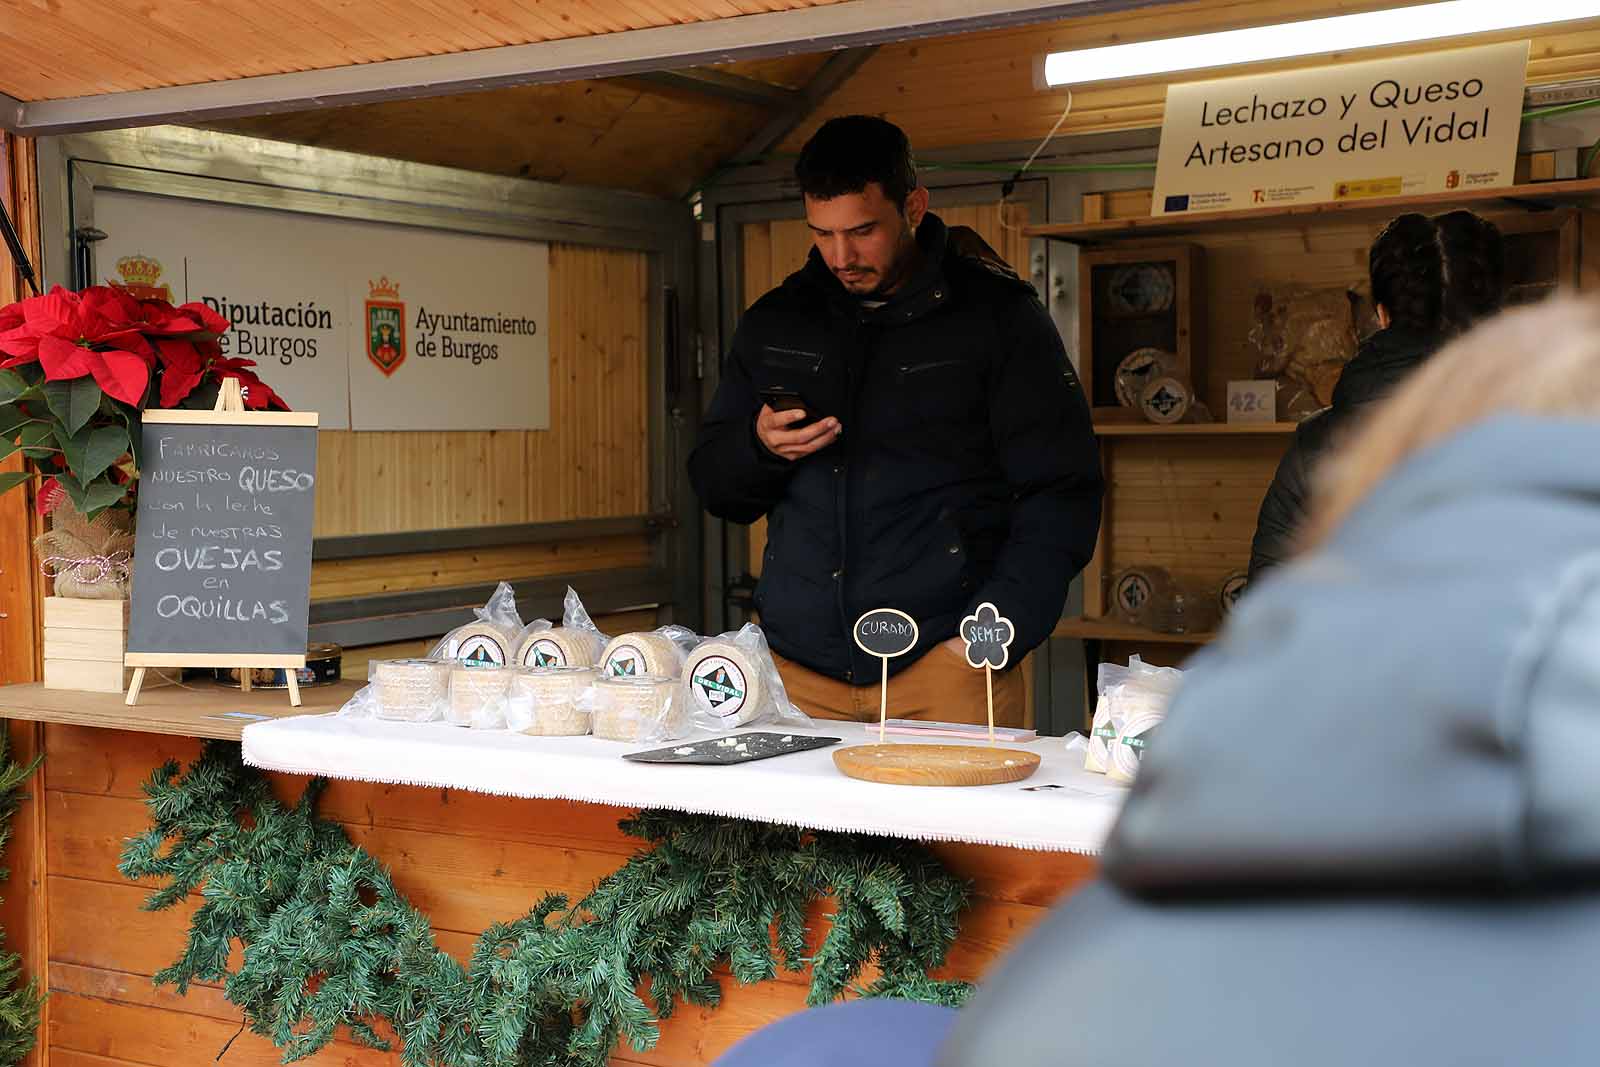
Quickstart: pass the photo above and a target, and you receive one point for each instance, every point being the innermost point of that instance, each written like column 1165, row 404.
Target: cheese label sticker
column 719, row 686
column 544, row 653
column 481, row 650
column 627, row 661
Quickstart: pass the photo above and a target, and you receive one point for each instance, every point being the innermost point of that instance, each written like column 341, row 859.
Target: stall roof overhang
column 823, row 26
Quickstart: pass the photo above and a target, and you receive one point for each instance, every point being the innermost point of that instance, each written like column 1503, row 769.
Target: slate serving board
column 745, row 747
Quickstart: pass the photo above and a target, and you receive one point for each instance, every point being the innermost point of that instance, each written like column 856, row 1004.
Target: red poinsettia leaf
column 21, row 341
column 177, row 383
column 63, row 360
column 124, row 375
column 49, row 496
column 11, row 316
column 179, row 354
column 111, row 306
column 209, row 320
column 55, row 312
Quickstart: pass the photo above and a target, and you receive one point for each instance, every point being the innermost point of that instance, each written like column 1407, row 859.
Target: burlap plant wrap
column 88, row 560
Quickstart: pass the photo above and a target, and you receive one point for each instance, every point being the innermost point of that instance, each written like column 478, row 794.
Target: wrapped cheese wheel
column 723, row 680
column 637, row 655
column 1166, row 399
column 411, row 690
column 638, row 708
column 485, row 643
column 477, row 696
column 549, row 701
column 560, row 646
column 1133, row 740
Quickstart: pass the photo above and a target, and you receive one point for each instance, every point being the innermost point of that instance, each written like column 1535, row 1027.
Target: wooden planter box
column 83, row 644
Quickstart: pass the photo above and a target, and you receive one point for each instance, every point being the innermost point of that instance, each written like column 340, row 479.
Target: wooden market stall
column 413, row 527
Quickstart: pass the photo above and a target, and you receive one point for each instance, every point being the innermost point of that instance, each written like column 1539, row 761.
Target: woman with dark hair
column 1432, row 278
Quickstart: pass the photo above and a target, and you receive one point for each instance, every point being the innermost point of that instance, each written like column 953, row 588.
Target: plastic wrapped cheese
column 637, row 708
column 478, row 696
column 637, row 655
column 549, row 701
column 484, row 643
column 725, row 682
column 1133, row 740
column 410, row 690
column 560, row 646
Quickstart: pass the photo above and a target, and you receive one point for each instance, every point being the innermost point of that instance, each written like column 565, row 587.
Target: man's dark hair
column 852, row 150
column 1438, row 275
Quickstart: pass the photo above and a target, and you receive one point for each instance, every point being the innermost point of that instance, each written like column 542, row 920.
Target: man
column 943, row 455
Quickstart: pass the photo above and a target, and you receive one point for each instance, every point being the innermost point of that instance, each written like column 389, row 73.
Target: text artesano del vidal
column 1383, row 127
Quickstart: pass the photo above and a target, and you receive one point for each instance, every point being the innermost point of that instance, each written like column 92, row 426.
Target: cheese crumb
column 683, row 751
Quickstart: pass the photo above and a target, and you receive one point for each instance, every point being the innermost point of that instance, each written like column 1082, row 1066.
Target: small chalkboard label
column 222, row 557
column 886, row 633
column 988, row 638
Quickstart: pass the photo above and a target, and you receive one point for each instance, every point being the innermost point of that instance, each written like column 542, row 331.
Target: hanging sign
column 376, row 327
column 885, row 633
column 1429, row 123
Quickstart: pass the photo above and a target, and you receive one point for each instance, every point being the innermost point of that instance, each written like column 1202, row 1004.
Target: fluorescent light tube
column 1340, row 33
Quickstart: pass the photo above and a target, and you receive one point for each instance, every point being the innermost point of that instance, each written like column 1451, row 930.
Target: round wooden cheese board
column 935, row 764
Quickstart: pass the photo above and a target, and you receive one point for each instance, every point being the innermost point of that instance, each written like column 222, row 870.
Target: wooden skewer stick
column 988, row 681
column 883, row 700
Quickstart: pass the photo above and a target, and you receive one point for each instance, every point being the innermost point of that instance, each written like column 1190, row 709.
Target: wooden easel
column 230, row 400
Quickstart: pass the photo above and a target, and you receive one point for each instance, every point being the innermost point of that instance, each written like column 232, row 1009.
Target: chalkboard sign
column 886, row 632
column 222, row 556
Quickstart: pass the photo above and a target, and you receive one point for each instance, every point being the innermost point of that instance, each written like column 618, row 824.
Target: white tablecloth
column 801, row 789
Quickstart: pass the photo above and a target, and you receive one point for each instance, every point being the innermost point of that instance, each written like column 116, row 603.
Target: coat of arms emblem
column 386, row 325
column 141, row 277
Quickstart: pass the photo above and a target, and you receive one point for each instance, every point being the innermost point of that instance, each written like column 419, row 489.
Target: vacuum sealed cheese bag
column 639, row 708
column 577, row 642
column 659, row 652
column 731, row 681
column 550, row 701
column 491, row 639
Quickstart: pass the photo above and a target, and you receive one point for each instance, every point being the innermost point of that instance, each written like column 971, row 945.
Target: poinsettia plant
column 77, row 369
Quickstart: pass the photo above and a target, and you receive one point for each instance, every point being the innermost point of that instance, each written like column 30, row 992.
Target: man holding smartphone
column 903, row 412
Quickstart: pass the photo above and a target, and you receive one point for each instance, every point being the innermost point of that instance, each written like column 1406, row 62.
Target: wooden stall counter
column 465, row 859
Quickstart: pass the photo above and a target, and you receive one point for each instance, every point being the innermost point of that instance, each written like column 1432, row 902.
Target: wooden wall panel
column 591, row 463
column 466, row 858
column 21, row 586
column 1188, row 505
column 980, row 88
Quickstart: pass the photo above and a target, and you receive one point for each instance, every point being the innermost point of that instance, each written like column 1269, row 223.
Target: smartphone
column 779, row 399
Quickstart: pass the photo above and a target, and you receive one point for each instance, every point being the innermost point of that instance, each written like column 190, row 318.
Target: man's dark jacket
column 967, row 470
column 1384, row 359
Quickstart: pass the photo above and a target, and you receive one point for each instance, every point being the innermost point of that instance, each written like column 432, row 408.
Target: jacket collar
column 1382, row 361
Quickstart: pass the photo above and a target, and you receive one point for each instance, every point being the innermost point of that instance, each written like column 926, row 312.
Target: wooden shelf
column 1191, row 429
column 195, row 709
column 1112, row 630
column 1164, row 227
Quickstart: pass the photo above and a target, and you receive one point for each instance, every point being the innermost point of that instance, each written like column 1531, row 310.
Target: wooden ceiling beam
column 832, row 74
column 723, row 86
column 850, row 24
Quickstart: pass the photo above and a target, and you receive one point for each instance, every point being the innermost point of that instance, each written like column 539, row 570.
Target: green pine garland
column 20, row 1001
column 329, row 942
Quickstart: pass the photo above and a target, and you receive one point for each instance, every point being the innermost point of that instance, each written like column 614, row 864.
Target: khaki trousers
column 938, row 686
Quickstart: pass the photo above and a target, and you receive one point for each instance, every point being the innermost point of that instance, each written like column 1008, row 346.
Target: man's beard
column 898, row 270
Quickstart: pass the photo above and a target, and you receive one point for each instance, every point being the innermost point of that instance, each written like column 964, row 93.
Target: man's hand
column 772, row 428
